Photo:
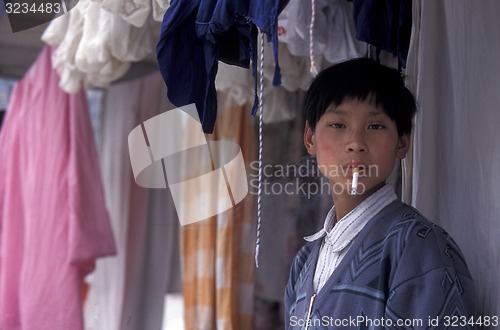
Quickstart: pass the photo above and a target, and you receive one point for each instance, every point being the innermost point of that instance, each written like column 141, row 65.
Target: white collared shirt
column 339, row 236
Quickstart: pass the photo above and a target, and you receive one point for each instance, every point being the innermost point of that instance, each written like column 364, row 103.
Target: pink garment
column 53, row 221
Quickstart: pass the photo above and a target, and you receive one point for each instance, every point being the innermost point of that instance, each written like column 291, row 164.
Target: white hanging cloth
column 127, row 291
column 333, row 31
column 96, row 46
column 453, row 67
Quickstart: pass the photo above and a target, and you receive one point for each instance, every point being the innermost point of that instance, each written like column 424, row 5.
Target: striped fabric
column 218, row 254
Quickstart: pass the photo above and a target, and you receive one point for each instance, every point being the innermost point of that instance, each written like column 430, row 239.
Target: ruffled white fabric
column 136, row 12
column 95, row 46
column 159, row 9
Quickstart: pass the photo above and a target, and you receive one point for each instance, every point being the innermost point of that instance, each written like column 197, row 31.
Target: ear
column 309, row 140
column 403, row 145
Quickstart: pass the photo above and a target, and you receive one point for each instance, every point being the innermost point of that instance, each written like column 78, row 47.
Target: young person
column 377, row 262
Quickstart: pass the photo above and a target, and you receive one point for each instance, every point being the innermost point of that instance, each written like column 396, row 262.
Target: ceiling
column 19, row 50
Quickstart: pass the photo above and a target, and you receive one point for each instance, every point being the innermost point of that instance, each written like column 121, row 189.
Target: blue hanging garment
column 386, row 24
column 195, row 34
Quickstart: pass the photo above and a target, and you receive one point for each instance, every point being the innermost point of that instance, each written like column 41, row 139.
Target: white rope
column 311, row 38
column 259, row 192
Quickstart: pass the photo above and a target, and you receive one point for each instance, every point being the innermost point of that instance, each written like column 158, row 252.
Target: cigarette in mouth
column 355, row 177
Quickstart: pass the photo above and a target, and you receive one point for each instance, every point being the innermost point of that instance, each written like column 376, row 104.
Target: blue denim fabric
column 195, row 34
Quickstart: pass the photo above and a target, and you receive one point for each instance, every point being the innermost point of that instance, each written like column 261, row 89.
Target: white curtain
column 454, row 68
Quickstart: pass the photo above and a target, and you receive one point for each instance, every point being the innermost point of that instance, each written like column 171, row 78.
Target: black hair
column 361, row 79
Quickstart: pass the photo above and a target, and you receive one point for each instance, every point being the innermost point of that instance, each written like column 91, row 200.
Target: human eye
column 336, row 125
column 376, row 126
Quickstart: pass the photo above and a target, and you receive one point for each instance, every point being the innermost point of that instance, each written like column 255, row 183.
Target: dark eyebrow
column 340, row 112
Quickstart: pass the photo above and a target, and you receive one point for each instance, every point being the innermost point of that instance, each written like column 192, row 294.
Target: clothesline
column 98, row 40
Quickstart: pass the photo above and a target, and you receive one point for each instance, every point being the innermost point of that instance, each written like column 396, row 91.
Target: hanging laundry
column 295, row 70
column 386, row 24
column 218, row 253
column 195, row 34
column 280, row 103
column 128, row 290
column 334, row 34
column 235, row 83
column 159, row 9
column 95, row 46
column 136, row 12
column 53, row 220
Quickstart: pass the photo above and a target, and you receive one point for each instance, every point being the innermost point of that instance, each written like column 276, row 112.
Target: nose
column 356, row 142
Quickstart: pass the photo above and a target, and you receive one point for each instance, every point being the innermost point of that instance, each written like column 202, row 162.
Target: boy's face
column 355, row 133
